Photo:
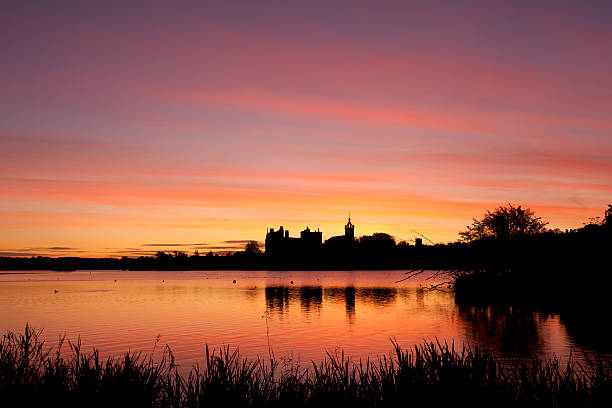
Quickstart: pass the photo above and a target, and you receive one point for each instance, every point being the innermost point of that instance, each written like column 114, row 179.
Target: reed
column 430, row 374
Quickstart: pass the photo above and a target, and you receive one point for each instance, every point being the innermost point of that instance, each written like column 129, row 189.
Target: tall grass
column 430, row 374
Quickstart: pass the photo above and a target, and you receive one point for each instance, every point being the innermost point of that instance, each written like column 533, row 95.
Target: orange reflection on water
column 357, row 312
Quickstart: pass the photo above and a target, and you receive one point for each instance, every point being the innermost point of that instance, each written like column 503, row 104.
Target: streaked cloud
column 224, row 121
column 162, row 245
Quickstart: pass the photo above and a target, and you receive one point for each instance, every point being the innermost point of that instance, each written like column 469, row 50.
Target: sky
column 132, row 127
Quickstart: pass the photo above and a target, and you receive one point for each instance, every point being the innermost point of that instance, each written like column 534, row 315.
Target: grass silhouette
column 430, row 374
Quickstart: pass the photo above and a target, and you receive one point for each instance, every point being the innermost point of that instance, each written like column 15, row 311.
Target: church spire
column 349, row 229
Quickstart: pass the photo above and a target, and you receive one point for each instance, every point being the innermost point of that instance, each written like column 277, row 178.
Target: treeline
column 507, row 254
column 569, row 272
column 588, row 247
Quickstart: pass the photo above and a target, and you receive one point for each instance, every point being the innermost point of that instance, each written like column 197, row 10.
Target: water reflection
column 311, row 297
column 357, row 312
column 280, row 299
column 420, row 299
column 588, row 328
column 380, row 297
column 349, row 301
column 505, row 330
column 277, row 299
column 346, row 296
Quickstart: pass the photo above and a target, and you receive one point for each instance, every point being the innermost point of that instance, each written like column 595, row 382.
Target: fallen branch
column 413, row 274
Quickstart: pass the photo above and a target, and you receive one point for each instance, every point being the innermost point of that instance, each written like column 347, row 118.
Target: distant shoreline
column 550, row 269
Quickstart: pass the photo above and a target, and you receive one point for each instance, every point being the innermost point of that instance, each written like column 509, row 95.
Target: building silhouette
column 311, row 238
column 343, row 241
column 349, row 230
column 278, row 242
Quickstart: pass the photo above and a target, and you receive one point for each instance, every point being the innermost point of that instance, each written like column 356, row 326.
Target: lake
column 298, row 315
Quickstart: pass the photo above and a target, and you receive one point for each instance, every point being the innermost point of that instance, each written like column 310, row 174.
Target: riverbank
column 431, row 374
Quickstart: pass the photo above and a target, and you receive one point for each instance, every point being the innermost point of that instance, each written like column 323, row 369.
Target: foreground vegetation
column 432, row 374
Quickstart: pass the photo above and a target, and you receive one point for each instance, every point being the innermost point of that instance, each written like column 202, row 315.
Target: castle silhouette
column 279, row 242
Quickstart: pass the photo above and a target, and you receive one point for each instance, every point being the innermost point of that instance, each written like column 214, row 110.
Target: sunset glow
column 127, row 129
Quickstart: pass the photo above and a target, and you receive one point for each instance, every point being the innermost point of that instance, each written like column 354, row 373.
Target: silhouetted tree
column 609, row 215
column 162, row 255
column 595, row 221
column 504, row 222
column 180, row 254
column 403, row 244
column 252, row 247
column 384, row 238
column 377, row 241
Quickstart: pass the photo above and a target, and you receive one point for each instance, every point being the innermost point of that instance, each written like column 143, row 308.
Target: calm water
column 357, row 312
